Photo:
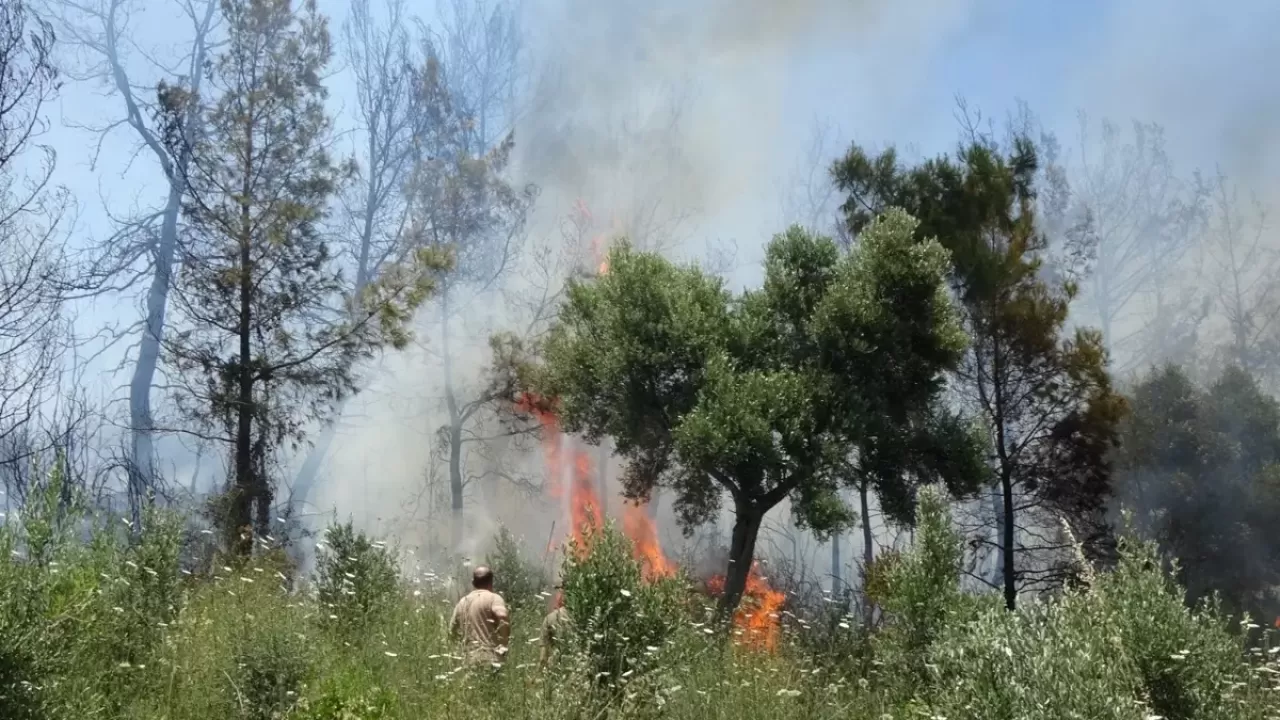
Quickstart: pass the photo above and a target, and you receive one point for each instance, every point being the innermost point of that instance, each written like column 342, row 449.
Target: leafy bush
column 99, row 626
column 356, row 578
column 78, row 615
column 20, row 670
column 519, row 579
column 270, row 671
column 620, row 622
column 349, row 701
column 1120, row 647
column 1043, row 662
column 919, row 591
column 1188, row 662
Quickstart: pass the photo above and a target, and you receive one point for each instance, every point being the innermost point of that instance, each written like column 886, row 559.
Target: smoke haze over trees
column 307, row 256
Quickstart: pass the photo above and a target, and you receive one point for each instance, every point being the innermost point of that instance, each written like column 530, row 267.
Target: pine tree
column 1043, row 393
column 271, row 332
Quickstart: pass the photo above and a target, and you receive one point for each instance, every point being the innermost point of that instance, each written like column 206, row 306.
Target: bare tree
column 33, row 330
column 460, row 200
column 1246, row 280
column 480, row 44
column 373, row 211
column 1142, row 218
column 808, row 195
column 67, row 430
column 473, row 57
column 144, row 248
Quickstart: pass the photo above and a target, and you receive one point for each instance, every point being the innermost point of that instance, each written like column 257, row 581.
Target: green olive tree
column 766, row 394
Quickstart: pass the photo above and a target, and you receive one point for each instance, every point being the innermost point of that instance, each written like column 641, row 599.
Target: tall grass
column 97, row 621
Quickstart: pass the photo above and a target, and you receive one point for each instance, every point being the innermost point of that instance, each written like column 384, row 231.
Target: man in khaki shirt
column 481, row 621
column 554, row 625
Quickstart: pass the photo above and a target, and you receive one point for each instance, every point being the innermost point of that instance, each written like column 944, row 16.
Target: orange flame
column 584, row 506
column 583, row 502
column 563, row 454
column 598, row 252
column 638, row 526
column 757, row 618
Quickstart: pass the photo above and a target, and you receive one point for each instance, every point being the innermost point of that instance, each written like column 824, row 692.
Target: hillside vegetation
column 97, row 621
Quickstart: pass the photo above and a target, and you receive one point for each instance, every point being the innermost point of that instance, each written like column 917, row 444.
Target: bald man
column 481, row 621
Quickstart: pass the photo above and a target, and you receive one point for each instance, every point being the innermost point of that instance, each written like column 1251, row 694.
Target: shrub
column 270, row 670
column 77, row 616
column 620, row 622
column 919, row 591
column 1120, row 647
column 1043, row 662
column 1188, row 662
column 356, row 578
column 517, row 578
column 347, row 701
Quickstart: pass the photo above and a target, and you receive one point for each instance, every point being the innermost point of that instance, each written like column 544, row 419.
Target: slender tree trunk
column 245, row 489
column 604, row 476
column 742, row 550
column 837, row 582
column 246, row 485
column 868, row 553
column 997, row 514
column 1010, row 579
column 868, row 540
column 1006, row 464
column 305, row 481
column 455, row 428
column 142, row 452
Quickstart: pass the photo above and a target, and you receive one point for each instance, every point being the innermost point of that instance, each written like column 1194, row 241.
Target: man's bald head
column 482, row 578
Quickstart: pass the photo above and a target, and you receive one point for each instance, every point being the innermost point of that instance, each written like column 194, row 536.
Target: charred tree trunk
column 742, row 550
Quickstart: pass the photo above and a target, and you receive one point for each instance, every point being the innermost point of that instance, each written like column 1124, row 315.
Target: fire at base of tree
column 757, row 622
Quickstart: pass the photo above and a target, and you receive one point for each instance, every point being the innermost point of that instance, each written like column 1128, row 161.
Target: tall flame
column 598, row 240
column 563, row 454
column 584, row 507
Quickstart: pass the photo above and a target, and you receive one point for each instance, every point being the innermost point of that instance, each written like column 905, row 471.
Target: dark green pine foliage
column 1200, row 469
column 268, row 330
column 1043, row 392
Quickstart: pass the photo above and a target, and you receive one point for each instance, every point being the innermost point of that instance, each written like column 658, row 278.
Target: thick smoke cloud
column 678, row 119
column 673, row 122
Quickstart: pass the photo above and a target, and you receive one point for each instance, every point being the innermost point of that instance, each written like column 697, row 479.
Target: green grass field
column 95, row 625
